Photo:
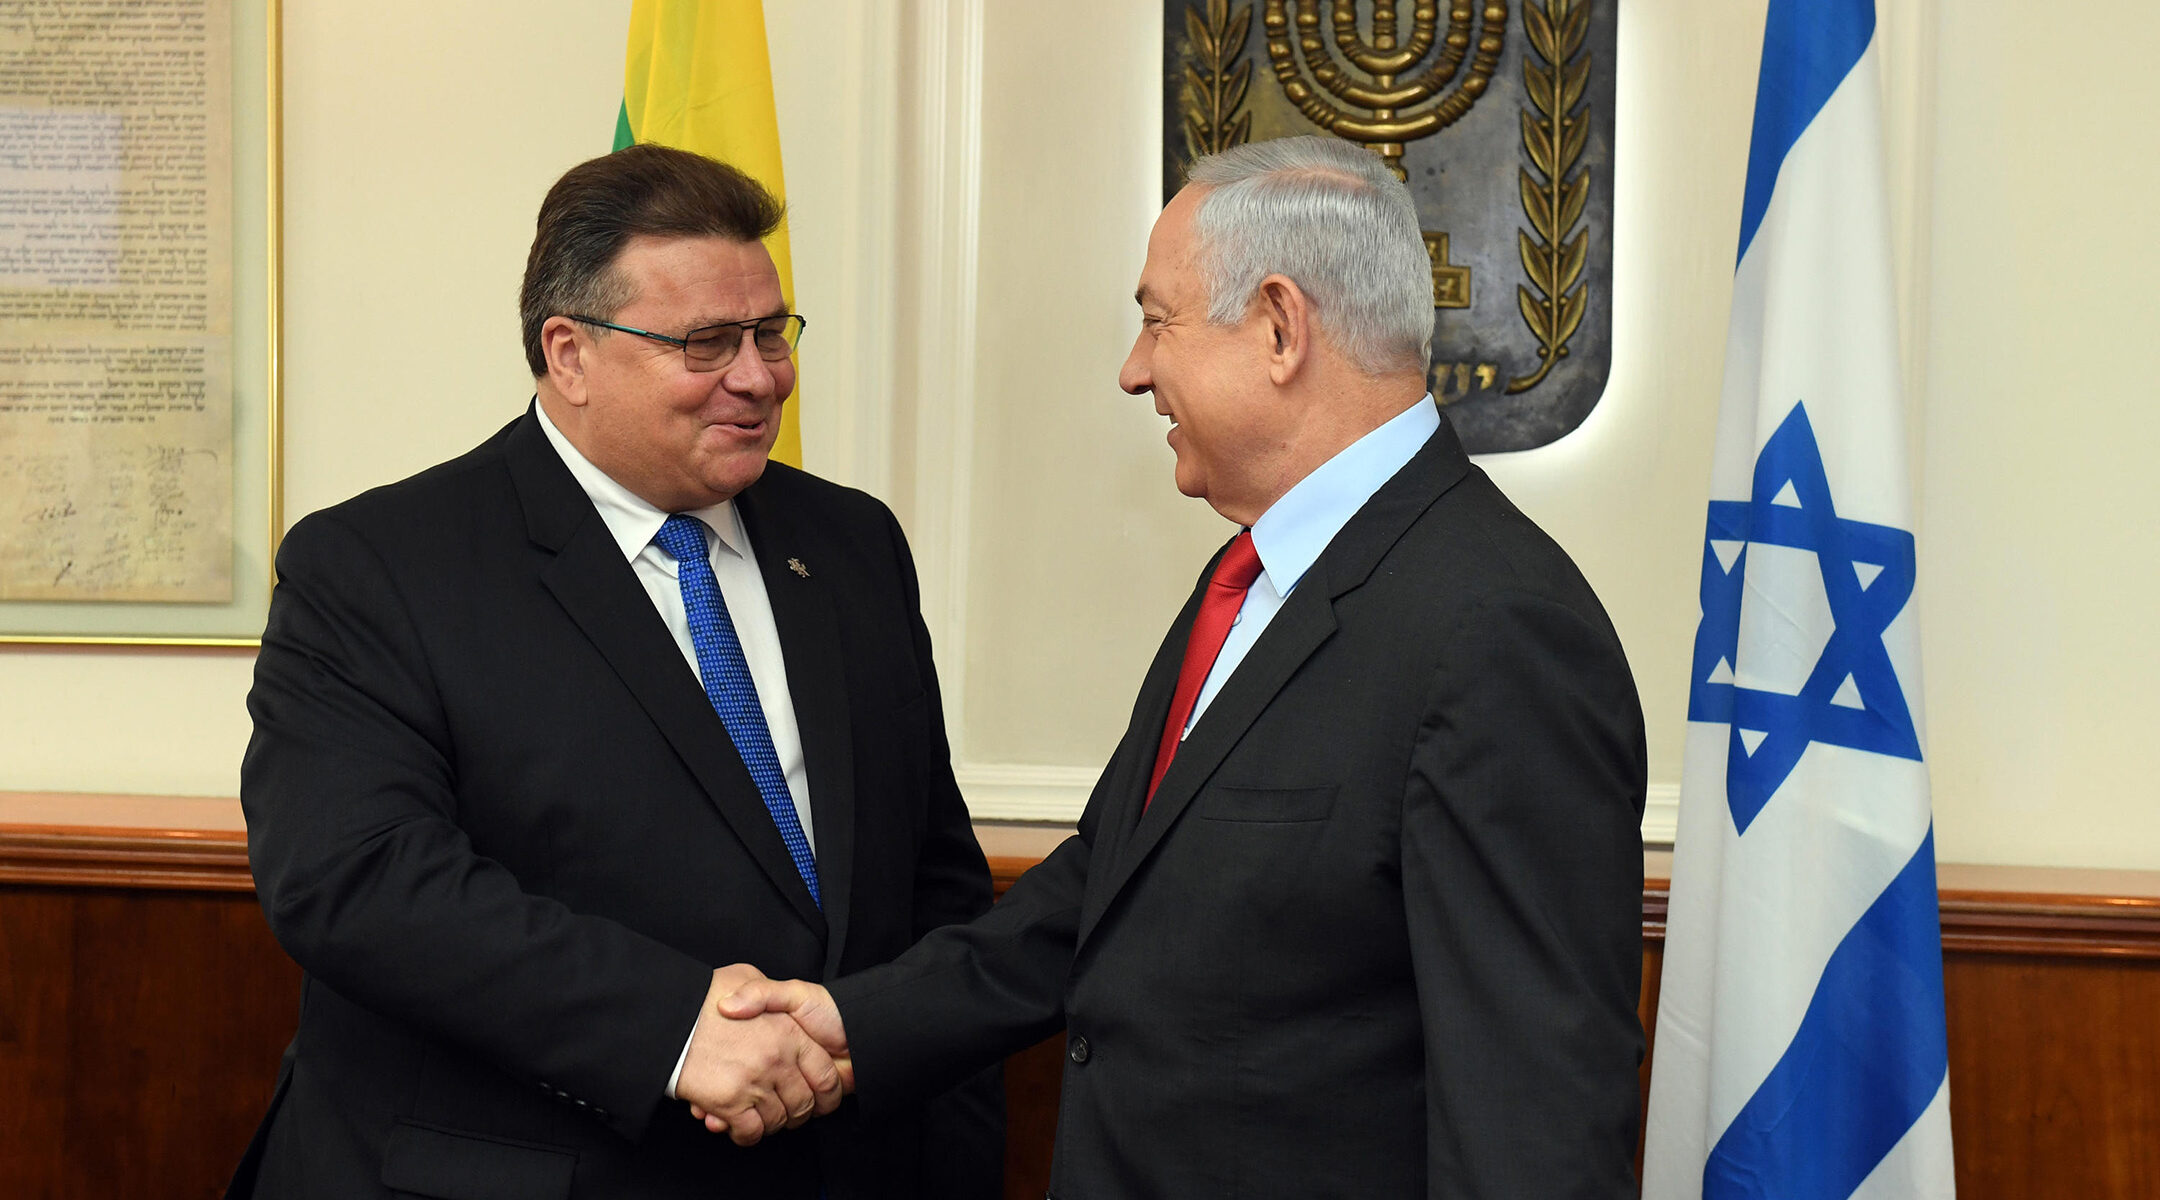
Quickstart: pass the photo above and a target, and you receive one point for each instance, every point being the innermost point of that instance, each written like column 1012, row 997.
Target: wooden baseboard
column 135, row 968
column 199, row 844
column 186, row 860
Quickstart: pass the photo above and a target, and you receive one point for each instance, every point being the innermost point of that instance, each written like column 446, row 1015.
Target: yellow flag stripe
column 696, row 76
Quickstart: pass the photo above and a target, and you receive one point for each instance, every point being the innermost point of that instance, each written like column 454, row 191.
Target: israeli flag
column 1800, row 1050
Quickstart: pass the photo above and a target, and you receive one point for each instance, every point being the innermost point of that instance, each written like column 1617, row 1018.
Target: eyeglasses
column 713, row 347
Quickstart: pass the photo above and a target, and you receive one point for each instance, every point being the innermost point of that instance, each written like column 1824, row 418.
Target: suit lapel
column 802, row 606
column 598, row 589
column 1124, row 786
column 1297, row 630
column 1304, row 623
column 1151, row 710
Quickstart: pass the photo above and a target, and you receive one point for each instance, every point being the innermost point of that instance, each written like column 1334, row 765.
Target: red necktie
column 1226, row 589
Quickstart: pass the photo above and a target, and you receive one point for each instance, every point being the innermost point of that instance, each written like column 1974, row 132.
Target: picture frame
column 79, row 455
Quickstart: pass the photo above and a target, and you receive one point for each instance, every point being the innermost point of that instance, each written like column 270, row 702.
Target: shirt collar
column 1290, row 535
column 631, row 521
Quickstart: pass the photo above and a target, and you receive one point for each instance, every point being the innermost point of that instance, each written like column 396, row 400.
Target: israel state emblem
column 1498, row 114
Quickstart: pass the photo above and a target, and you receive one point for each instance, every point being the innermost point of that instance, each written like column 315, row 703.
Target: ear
column 564, row 352
column 1286, row 317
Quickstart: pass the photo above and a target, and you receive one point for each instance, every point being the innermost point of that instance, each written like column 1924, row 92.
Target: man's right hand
column 756, row 1074
column 806, row 1008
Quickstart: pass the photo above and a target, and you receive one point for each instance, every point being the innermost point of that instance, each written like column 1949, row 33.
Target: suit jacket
column 494, row 818
column 1378, row 933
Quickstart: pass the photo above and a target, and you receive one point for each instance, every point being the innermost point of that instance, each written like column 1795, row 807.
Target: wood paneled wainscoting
column 143, row 1007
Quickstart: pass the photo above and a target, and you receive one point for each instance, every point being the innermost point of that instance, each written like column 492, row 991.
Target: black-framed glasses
column 713, row 347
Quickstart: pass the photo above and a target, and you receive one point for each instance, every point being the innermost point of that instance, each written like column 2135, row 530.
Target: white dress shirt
column 1290, row 535
column 633, row 523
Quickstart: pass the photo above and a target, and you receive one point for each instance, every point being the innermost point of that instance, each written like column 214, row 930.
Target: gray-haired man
column 1354, row 909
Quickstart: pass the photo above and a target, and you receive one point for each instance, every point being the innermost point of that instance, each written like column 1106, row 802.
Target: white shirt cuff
column 682, row 1058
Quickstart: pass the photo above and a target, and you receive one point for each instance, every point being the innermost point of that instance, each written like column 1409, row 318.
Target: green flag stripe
column 623, row 136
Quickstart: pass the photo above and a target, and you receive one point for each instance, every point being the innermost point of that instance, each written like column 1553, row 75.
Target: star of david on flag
column 1851, row 696
column 1800, row 1050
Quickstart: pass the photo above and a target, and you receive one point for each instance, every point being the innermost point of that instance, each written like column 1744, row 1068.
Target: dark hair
column 599, row 205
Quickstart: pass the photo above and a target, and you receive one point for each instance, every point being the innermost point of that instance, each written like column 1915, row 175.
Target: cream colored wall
column 1076, row 530
column 972, row 182
column 1074, row 549
column 418, row 139
column 2039, row 488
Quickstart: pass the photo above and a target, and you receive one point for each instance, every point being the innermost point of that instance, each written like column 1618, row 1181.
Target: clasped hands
column 767, row 1055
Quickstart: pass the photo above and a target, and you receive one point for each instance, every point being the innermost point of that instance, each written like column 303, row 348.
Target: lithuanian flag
column 696, row 77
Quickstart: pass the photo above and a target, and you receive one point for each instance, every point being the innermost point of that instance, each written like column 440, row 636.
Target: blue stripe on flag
column 1869, row 1057
column 1808, row 48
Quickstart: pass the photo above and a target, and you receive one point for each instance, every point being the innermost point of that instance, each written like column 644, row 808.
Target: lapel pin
column 795, row 565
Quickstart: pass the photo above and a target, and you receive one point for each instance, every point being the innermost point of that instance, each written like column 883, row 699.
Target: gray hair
column 1330, row 216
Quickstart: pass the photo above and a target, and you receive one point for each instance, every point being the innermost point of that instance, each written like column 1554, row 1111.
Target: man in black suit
column 1354, row 909
column 547, row 732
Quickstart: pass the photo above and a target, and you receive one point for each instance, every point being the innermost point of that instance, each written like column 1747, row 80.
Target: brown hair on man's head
column 599, row 205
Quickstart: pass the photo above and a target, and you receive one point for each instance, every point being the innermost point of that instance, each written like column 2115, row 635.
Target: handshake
column 767, row 1055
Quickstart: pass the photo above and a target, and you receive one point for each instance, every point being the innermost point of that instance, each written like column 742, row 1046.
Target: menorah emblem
column 1527, row 148
column 1377, row 108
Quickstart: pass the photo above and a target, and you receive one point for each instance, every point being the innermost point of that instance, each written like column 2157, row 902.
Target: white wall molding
column 1908, row 40
column 836, row 80
column 942, row 191
column 860, row 398
column 1025, row 791
column 1661, row 814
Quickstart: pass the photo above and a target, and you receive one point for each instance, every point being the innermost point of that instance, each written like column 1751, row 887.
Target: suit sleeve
column 964, row 1128
column 967, row 995
column 371, row 885
column 1522, row 876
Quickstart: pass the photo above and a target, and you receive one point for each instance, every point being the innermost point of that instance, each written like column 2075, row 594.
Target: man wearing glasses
column 546, row 733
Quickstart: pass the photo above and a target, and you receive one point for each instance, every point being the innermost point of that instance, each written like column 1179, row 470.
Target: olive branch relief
column 1552, row 198
column 1214, row 91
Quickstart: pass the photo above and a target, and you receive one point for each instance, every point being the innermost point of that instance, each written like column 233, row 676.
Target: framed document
column 139, row 246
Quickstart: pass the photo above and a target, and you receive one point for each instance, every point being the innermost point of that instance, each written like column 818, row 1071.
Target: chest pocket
column 1265, row 806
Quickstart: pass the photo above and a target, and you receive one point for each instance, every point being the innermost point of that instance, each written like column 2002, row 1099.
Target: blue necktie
column 726, row 675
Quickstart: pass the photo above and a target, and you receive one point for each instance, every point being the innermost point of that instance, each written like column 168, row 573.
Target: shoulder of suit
column 423, row 500
column 1475, row 539
column 794, row 487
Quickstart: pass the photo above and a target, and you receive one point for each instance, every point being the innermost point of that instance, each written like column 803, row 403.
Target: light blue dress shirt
column 1290, row 535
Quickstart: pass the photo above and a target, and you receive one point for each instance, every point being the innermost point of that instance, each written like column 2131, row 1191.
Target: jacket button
column 1077, row 1049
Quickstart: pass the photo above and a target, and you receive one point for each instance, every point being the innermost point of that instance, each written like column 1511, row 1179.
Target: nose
column 1135, row 377
column 748, row 374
